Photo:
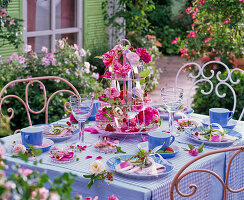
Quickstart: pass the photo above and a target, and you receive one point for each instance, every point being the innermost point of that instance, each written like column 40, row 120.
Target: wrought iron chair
column 225, row 183
column 25, row 102
column 201, row 77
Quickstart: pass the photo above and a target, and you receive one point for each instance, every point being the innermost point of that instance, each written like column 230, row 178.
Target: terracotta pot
column 240, row 62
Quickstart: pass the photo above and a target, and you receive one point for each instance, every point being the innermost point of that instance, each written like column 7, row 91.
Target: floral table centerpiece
column 123, row 105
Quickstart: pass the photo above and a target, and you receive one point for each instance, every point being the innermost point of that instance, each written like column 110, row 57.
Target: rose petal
column 99, row 157
column 88, row 157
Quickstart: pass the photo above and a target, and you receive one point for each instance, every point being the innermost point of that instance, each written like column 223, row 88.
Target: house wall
column 94, row 30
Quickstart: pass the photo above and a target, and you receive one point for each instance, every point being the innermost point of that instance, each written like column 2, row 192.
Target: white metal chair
column 201, row 77
column 25, row 102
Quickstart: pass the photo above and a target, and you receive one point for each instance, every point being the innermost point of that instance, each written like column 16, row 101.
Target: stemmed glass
column 81, row 107
column 172, row 99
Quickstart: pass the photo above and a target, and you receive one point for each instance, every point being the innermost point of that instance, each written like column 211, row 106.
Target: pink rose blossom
column 217, row 59
column 193, row 16
column 43, row 193
column 27, row 48
column 175, row 40
column 100, row 115
column 207, row 40
column 144, row 139
column 144, row 55
column 192, row 34
column 230, row 15
column 106, row 75
column 201, row 1
column 149, row 114
column 25, row 171
column 183, row 51
column 19, row 148
column 113, row 198
column 76, row 47
column 118, row 48
column 226, row 21
column 109, row 57
column 121, row 70
column 193, row 152
column 99, row 157
column 188, row 10
column 112, row 92
column 88, row 157
column 212, row 8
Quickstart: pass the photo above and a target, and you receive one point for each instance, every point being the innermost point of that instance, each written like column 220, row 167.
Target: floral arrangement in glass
column 123, row 105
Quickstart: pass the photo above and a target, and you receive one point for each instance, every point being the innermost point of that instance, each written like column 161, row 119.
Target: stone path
column 170, row 66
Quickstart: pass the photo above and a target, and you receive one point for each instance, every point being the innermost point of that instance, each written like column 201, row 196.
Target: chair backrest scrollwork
column 25, row 102
column 180, row 175
column 201, row 77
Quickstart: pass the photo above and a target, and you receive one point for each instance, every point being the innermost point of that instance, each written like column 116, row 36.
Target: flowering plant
column 66, row 61
column 193, row 151
column 10, row 27
column 216, row 32
column 97, row 171
column 28, row 184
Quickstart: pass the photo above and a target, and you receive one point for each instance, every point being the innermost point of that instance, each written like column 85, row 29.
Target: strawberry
column 68, row 123
column 196, row 133
column 169, row 149
column 109, row 128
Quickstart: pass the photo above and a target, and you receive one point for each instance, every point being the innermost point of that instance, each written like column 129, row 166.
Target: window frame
column 54, row 31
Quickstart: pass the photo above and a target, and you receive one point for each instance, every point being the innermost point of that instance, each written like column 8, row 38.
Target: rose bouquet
column 124, row 102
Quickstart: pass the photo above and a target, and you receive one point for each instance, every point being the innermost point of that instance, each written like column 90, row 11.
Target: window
column 48, row 20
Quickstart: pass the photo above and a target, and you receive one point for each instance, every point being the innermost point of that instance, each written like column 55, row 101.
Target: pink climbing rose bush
column 216, row 32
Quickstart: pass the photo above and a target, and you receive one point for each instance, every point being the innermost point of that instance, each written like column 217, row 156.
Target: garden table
column 155, row 189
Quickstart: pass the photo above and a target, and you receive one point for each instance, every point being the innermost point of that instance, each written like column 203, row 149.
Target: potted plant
column 217, row 32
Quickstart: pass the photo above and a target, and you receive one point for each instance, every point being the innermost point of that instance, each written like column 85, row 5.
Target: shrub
column 65, row 62
column 202, row 103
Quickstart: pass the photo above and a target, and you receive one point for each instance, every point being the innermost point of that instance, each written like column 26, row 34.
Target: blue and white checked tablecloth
column 126, row 188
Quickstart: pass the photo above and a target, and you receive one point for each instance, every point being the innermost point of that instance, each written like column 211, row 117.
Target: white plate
column 57, row 138
column 229, row 132
column 114, row 161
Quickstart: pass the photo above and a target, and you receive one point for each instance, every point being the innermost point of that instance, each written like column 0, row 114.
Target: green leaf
column 91, row 182
column 191, row 146
column 88, row 176
column 200, row 148
column 98, row 57
column 144, row 73
column 119, row 150
column 142, row 81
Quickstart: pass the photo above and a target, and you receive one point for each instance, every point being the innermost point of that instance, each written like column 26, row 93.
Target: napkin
column 92, row 130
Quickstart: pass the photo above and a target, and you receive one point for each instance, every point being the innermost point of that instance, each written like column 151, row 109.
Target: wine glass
column 81, row 107
column 172, row 99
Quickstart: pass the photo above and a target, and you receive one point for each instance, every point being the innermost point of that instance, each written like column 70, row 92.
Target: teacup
column 220, row 116
column 158, row 138
column 32, row 136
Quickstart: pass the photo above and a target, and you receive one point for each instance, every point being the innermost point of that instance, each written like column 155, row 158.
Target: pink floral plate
column 59, row 157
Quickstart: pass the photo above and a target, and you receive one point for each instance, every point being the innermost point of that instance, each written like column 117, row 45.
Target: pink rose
column 25, row 171
column 106, row 75
column 113, row 198
column 215, row 138
column 193, row 152
column 72, row 118
column 175, row 41
column 183, row 51
column 192, row 34
column 144, row 55
column 109, row 57
column 144, row 139
column 112, row 93
column 149, row 114
column 121, row 70
column 2, row 151
column 226, row 21
column 188, row 10
column 19, row 148
column 43, row 193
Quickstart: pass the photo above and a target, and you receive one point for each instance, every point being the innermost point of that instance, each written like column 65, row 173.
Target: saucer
column 144, row 146
column 46, row 145
column 231, row 124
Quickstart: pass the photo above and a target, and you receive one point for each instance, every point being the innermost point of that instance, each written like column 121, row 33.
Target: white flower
column 76, row 47
column 95, row 75
column 19, row 148
column 27, row 48
column 87, row 67
column 44, row 49
column 54, row 196
column 60, row 44
column 96, row 167
column 82, row 52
